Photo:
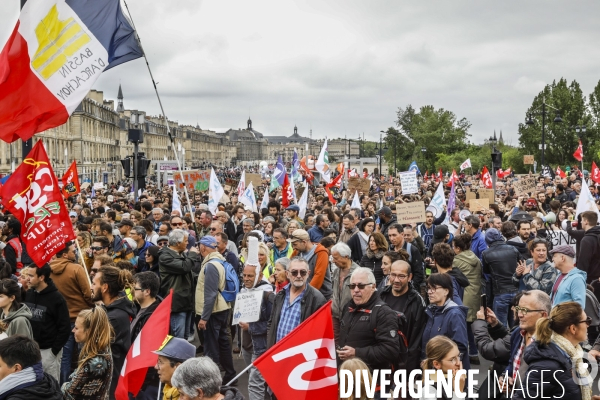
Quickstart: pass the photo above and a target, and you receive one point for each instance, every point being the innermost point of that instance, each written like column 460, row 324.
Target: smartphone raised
column 484, row 305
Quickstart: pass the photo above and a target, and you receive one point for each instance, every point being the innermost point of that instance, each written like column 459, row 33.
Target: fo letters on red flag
column 32, row 195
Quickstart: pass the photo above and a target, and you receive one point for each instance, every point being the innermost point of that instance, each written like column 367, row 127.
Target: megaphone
column 464, row 214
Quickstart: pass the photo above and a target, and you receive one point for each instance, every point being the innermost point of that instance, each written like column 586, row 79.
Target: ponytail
column 561, row 317
column 543, row 332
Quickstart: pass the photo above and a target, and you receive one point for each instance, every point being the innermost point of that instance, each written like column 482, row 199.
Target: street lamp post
column 423, row 151
column 380, row 149
column 394, row 151
column 496, row 161
column 543, row 112
column 580, row 130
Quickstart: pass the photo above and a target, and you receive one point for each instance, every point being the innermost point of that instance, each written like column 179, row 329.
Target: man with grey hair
column 175, row 266
column 369, row 327
column 138, row 234
column 342, row 258
column 157, row 214
column 200, row 378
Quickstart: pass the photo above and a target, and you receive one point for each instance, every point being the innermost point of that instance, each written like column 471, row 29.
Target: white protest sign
column 409, row 182
column 559, row 238
column 247, row 306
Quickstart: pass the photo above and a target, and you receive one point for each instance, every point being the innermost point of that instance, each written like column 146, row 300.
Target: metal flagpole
column 83, row 263
column 240, row 374
column 187, row 197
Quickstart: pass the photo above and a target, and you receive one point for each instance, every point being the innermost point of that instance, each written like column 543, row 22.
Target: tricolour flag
column 57, row 50
column 140, row 356
column 215, row 192
column 302, row 365
column 32, row 195
column 70, row 181
column 466, row 164
column 322, row 164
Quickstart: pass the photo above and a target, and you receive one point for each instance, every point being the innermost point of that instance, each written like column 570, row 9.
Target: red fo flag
column 579, row 152
column 561, row 173
column 335, row 182
column 32, row 195
column 70, row 182
column 286, row 192
column 302, row 365
column 140, row 356
column 595, row 172
column 486, row 178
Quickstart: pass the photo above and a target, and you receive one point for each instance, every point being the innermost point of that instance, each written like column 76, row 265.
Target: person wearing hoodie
column 500, row 262
column 50, row 321
column 22, row 376
column 510, row 233
column 570, row 284
column 72, row 282
column 317, row 257
column 109, row 286
column 200, row 377
column 445, row 317
column 587, row 259
column 443, row 257
column 14, row 314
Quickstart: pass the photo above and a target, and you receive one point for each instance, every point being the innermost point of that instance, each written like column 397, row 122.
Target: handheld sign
column 409, row 182
column 409, row 213
column 247, row 306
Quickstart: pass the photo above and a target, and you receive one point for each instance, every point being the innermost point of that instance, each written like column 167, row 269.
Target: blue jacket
column 316, row 234
column 449, row 320
column 572, row 288
column 515, row 342
column 478, row 244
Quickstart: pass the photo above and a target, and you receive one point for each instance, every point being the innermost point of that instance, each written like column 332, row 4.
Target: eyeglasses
column 361, row 286
column 298, row 272
column 160, row 244
column 588, row 321
column 401, row 276
column 456, row 360
column 96, row 248
column 432, row 289
column 524, row 310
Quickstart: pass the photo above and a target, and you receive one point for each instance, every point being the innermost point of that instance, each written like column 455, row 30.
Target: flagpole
column 187, row 197
column 240, row 374
column 159, row 393
column 83, row 263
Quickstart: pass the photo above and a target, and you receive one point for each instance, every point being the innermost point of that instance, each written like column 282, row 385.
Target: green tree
column 594, row 127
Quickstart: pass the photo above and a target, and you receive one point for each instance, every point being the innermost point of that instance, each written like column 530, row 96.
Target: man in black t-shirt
column 400, row 296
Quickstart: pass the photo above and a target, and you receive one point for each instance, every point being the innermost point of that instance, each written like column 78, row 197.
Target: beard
column 96, row 296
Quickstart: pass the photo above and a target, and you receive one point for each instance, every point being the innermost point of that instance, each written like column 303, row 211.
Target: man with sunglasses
column 178, row 223
column 571, row 283
column 317, row 257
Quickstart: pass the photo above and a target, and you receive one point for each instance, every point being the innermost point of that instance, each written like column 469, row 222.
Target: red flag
column 306, row 172
column 32, row 195
column 302, row 365
column 595, row 172
column 425, row 176
column 503, row 174
column 440, row 176
column 561, row 173
column 579, row 152
column 140, row 356
column 286, row 192
column 486, row 178
column 334, row 182
column 453, row 178
column 340, row 168
column 70, row 181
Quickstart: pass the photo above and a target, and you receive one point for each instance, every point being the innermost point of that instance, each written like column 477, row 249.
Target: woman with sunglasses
column 444, row 316
column 556, row 348
column 537, row 272
column 152, row 259
column 441, row 354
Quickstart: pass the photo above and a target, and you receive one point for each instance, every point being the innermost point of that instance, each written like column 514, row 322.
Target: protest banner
column 194, row 179
column 476, row 205
column 409, row 182
column 361, row 184
column 487, row 194
column 255, row 179
column 471, row 195
column 524, row 186
column 410, row 213
column 559, row 238
column 247, row 306
column 528, row 160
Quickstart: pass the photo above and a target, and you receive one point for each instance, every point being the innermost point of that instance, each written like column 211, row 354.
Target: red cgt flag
column 579, row 152
column 286, row 192
column 32, row 195
column 486, row 178
column 70, row 181
column 561, row 173
column 595, row 172
column 140, row 356
column 302, row 365
column 440, row 176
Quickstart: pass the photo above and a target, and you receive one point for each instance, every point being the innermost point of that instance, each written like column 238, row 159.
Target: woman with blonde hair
column 441, row 354
column 91, row 380
column 353, row 365
column 84, row 240
column 556, row 348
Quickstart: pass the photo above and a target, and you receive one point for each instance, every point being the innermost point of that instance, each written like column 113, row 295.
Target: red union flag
column 140, row 356
column 561, row 173
column 302, row 365
column 579, row 152
column 286, row 192
column 486, row 178
column 31, row 194
column 70, row 181
column 595, row 172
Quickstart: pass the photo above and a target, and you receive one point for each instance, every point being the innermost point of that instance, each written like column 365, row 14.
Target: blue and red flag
column 57, row 50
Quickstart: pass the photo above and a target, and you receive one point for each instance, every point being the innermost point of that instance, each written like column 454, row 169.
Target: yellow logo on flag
column 164, row 343
column 57, row 40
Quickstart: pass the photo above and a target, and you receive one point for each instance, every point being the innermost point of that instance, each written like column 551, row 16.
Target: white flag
column 322, row 161
column 215, row 192
column 265, row 201
column 303, row 203
column 466, row 164
column 242, row 184
column 176, row 201
column 438, row 201
column 247, row 198
column 585, row 202
column 356, row 201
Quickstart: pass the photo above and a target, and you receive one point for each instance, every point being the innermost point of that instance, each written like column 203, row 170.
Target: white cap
column 252, row 251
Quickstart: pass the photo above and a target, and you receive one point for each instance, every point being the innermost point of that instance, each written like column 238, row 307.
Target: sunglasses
column 298, row 272
column 177, row 224
column 361, row 286
column 162, row 244
column 588, row 321
column 96, row 248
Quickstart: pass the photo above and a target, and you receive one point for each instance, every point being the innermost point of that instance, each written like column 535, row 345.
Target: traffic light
column 497, row 160
column 126, row 163
column 143, row 164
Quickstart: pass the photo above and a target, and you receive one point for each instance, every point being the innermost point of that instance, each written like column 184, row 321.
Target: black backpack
column 402, row 340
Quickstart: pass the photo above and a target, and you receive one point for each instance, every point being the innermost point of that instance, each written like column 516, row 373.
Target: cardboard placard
column 360, row 184
column 255, row 179
column 487, row 194
column 475, row 205
column 194, row 179
column 410, row 213
column 409, row 182
column 528, row 160
column 247, row 307
column 471, row 195
column 525, row 185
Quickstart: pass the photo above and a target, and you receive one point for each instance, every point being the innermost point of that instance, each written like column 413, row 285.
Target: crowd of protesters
column 513, row 283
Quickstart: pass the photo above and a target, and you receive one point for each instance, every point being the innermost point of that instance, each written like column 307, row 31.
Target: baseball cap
column 161, row 238
column 439, row 234
column 72, row 214
column 125, row 222
column 298, row 234
column 563, row 249
column 209, row 241
column 385, row 211
column 293, row 207
column 176, row 349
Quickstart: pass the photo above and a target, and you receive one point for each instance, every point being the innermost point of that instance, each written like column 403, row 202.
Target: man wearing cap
column 317, row 257
column 571, row 283
column 292, row 212
column 387, row 219
column 212, row 311
column 73, row 218
column 125, row 227
column 171, row 354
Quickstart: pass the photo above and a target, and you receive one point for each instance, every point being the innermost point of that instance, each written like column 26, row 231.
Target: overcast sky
column 343, row 67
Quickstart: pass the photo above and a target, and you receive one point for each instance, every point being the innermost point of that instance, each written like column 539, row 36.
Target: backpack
column 402, row 340
column 232, row 281
column 592, row 307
